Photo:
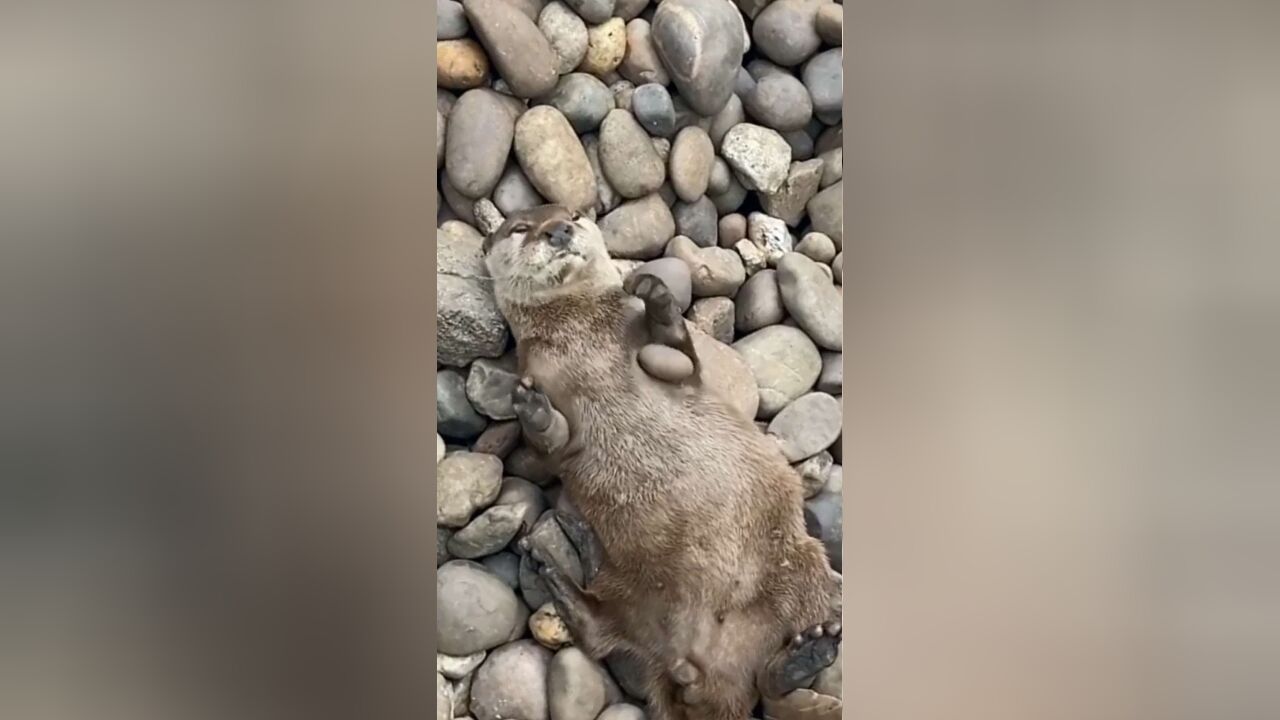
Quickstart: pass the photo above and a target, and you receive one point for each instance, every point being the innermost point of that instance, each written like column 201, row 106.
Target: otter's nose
column 560, row 234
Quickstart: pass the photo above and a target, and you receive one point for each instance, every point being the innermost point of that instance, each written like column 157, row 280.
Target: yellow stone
column 461, row 64
column 606, row 47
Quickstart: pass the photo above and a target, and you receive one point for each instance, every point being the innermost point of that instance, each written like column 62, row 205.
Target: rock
column 829, row 23
column 770, row 235
column 547, row 535
column 691, row 160
column 779, row 101
column 456, row 667
column 552, row 157
column 566, row 33
column 697, row 221
column 651, row 104
column 582, row 99
column 578, row 688
column 521, row 627
column 498, row 439
column 514, row 192
column 461, row 691
column 758, row 154
column 593, row 11
column 451, row 20
column 730, row 116
column 475, row 611
column 455, row 416
column 700, row 44
column 665, row 363
column 460, row 204
column 733, row 379
column 824, row 519
column 628, row 672
column 476, row 150
column 444, row 101
column 674, row 272
column 627, row 157
column 442, row 545
column 606, row 46
column 488, row 217
column 532, row 588
column 812, row 300
column 788, row 203
column 622, row 92
column 628, row 9
column 758, row 303
column 607, row 199
column 817, row 247
column 525, row 462
column 835, row 478
column 638, row 228
column 743, row 84
column 730, row 200
column 720, row 179
column 506, row 565
column 784, row 31
column 831, row 381
column 832, row 166
column 439, row 448
column 548, row 628
column 814, row 472
column 640, row 63
column 621, row 711
column 801, row 144
column 824, row 78
column 444, row 699
column 731, row 229
column 753, row 258
column 784, row 362
column 806, row 426
column 465, row 482
column 526, row 498
column 829, row 139
column 461, row 64
column 826, row 213
column 837, row 269
column 529, row 8
column 714, row 271
column 517, row 48
column 468, row 323
column 714, row 316
column 511, row 684
column 487, row 534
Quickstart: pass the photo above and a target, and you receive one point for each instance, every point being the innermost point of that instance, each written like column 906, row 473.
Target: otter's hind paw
column 807, row 654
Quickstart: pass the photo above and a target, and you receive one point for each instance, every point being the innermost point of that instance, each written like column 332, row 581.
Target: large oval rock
column 474, row 609
column 786, row 31
column 831, row 380
column 553, row 159
column 451, row 20
column 512, row 683
column 715, row 271
column 566, row 33
column 593, row 11
column 692, row 157
column 583, row 99
column 465, row 482
column 759, row 155
column 487, row 533
column 639, row 228
column 779, row 101
column 811, row 298
column 805, row 427
column 784, row 362
column 829, row 23
column 653, row 108
column 455, row 416
column 514, row 191
column 759, row 304
column 701, row 45
column 461, row 64
column 674, row 273
column 826, row 212
column 577, row 687
column 516, row 47
column 482, row 128
column 627, row 156
column 640, row 64
column 732, row 377
column 824, row 80
column 697, row 221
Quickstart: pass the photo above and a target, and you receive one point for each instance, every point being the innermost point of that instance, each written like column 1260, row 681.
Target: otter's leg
column 592, row 632
column 666, row 325
column 545, row 427
column 805, row 656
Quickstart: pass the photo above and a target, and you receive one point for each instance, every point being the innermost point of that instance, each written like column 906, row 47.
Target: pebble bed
column 705, row 138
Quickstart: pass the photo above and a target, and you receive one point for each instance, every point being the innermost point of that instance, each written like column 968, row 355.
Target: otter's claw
column 808, row 653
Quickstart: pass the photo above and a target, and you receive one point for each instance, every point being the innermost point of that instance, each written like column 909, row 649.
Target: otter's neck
column 565, row 317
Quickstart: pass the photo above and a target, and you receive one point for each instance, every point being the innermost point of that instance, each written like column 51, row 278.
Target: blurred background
column 216, row 331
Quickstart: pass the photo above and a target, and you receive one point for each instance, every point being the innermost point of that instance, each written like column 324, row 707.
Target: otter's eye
column 575, row 216
column 520, row 228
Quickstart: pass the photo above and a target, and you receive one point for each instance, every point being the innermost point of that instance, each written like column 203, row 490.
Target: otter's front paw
column 659, row 304
column 533, row 409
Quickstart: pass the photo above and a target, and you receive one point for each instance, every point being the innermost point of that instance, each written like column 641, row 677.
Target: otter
column 705, row 571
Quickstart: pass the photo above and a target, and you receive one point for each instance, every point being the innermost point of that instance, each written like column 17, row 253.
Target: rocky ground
column 705, row 137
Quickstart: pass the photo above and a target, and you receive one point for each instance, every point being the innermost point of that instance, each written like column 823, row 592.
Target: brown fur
column 699, row 514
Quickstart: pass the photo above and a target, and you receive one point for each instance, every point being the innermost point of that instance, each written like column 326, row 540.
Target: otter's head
column 546, row 252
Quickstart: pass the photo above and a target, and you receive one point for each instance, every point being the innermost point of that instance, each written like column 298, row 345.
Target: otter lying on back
column 707, row 574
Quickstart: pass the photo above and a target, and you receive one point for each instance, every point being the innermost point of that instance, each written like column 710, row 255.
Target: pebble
column 837, row 268
column 461, row 692
column 720, row 179
column 753, row 258
column 487, row 534
column 691, row 161
column 460, row 204
column 578, row 688
column 451, row 20
column 779, row 101
column 456, row 667
column 801, row 144
column 663, row 147
column 606, row 46
column 824, row 519
column 770, row 234
column 714, row 270
column 444, row 699
column 743, row 84
column 514, row 192
column 628, row 672
column 465, row 482
column 673, row 272
column 512, row 683
column 506, row 565
column 621, row 711
column 488, row 217
column 788, row 203
column 442, row 545
column 700, row 43
column 593, row 11
column 461, row 64
column 811, row 298
column 807, row 425
column 526, row 498
column 831, row 380
column 817, row 247
column 832, row 166
column 583, row 99
column 731, row 115
column 697, row 221
column 824, row 78
column 714, row 316
column 475, row 610
column 759, row 155
column 498, row 439
column 826, row 213
column 651, row 104
column 629, row 9
column 730, row 200
column 814, row 472
column 530, row 8
column 622, row 92
column 628, row 158
column 553, row 159
column 829, row 139
column 758, row 304
column 547, row 535
column 566, row 33
column 835, row 479
column 468, row 323
column 784, row 362
column 517, row 48
column 734, row 379
column 665, row 363
column 730, row 229
column 455, row 416
column 444, row 101
column 476, row 150
column 829, row 23
column 548, row 628
column 641, row 64
column 638, row 228
column 784, row 31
